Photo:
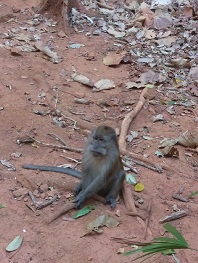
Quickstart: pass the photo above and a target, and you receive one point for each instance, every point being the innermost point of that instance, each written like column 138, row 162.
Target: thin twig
column 78, row 150
column 49, row 202
column 148, row 218
column 127, row 164
column 57, row 138
column 157, row 168
column 76, row 113
column 35, row 202
column 104, row 5
column 39, row 204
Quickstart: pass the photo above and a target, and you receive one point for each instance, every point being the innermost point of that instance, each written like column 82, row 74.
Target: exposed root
column 130, row 205
column 64, row 209
column 124, row 129
column 67, row 207
column 128, row 119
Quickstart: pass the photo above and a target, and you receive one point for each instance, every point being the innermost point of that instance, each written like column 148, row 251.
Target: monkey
column 102, row 169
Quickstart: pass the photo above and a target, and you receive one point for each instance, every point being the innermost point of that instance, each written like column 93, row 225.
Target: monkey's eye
column 99, row 139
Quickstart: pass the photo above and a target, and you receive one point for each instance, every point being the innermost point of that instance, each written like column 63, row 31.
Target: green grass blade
column 154, row 248
column 144, row 255
column 170, row 241
column 193, row 194
column 161, row 246
column 176, row 234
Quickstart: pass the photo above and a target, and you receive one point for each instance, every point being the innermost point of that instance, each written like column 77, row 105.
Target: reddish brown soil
column 23, row 78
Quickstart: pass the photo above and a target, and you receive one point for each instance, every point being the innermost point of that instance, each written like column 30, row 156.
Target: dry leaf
column 113, row 58
column 104, row 84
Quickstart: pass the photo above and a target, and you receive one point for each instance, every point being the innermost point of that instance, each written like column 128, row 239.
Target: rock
column 15, row 51
column 20, row 192
column 43, row 188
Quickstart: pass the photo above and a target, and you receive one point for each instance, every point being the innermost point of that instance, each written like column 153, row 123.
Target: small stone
column 36, row 193
column 20, row 192
column 52, row 193
column 43, row 195
column 15, row 51
column 25, row 199
column 37, row 213
column 61, row 34
column 121, row 250
column 16, row 155
column 140, row 200
column 19, row 198
column 118, row 213
column 43, row 188
column 16, row 10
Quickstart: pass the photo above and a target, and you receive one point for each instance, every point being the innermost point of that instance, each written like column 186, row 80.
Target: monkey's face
column 101, row 141
column 98, row 146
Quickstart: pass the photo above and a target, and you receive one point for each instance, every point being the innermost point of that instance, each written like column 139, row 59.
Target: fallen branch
column 64, row 147
column 39, row 204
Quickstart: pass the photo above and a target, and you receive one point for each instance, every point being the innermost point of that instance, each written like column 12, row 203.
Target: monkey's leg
column 115, row 188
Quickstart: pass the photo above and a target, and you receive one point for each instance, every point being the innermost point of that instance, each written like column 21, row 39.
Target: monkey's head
column 102, row 140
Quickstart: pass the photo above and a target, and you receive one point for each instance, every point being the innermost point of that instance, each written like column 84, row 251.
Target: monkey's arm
column 57, row 169
column 92, row 189
column 115, row 188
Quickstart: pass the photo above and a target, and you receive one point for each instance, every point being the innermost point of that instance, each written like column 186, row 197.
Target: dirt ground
column 31, row 84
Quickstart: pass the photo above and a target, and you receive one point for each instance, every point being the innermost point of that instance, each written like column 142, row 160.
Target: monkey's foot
column 110, row 201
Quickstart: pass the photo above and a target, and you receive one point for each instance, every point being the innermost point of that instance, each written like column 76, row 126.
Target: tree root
column 64, row 209
column 69, row 206
column 124, row 129
column 130, row 205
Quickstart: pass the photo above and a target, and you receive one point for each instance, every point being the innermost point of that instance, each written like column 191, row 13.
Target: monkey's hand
column 80, row 198
column 111, row 201
column 77, row 189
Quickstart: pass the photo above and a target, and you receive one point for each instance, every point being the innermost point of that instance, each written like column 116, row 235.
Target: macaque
column 102, row 169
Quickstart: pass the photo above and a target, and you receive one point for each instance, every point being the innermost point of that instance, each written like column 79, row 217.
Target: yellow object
column 139, row 187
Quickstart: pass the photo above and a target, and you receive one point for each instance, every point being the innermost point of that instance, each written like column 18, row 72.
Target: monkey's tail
column 57, row 169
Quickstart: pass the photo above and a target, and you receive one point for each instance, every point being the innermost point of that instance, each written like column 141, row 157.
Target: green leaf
column 2, row 206
column 171, row 102
column 176, row 233
column 165, row 245
column 169, row 240
column 149, row 86
column 85, row 210
column 131, row 179
column 169, row 252
column 14, row 244
column 193, row 194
